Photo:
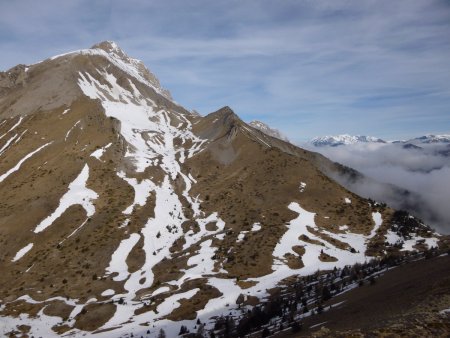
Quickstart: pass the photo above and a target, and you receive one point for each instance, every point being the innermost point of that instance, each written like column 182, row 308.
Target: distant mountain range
column 427, row 139
column 339, row 140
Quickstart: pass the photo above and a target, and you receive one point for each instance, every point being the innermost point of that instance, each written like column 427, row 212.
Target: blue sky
column 308, row 68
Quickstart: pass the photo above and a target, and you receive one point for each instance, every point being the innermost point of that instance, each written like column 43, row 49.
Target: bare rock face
column 114, row 50
column 14, row 77
column 123, row 212
column 268, row 130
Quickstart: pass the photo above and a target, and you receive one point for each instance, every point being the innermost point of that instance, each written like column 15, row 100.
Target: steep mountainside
column 122, row 212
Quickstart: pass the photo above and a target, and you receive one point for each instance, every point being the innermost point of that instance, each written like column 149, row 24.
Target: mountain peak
column 113, row 50
column 226, row 110
column 107, row 45
column 225, row 114
column 111, row 47
column 134, row 67
column 51, row 86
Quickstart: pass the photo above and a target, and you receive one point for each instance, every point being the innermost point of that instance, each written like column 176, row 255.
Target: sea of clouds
column 424, row 172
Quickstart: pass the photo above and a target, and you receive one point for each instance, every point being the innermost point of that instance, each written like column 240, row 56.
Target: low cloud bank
column 424, row 172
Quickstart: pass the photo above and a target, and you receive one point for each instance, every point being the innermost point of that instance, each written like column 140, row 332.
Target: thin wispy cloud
column 306, row 67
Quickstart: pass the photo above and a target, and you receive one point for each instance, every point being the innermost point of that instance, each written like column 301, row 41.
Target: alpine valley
column 124, row 214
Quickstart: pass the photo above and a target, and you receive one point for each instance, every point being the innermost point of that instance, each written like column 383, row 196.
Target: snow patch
column 141, row 191
column 108, row 292
column 160, row 290
column 118, row 262
column 78, row 193
column 99, row 152
column 256, row 227
column 378, row 220
column 241, row 236
column 302, row 186
column 22, row 252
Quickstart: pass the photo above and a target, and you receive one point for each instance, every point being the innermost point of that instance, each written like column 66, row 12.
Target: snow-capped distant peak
column 268, row 130
column 430, row 138
column 345, row 139
column 426, row 139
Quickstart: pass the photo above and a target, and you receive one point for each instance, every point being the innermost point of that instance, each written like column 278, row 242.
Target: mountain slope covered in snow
column 122, row 212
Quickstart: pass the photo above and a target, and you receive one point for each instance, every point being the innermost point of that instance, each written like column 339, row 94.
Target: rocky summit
column 124, row 214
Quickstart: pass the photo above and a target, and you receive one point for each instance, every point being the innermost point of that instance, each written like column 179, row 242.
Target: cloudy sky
column 307, row 67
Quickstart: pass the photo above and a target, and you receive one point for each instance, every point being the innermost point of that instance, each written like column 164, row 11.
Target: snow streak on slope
column 8, row 143
column 141, row 191
column 70, row 130
column 22, row 252
column 18, row 165
column 13, row 127
column 78, row 193
column 378, row 220
column 118, row 263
